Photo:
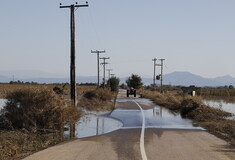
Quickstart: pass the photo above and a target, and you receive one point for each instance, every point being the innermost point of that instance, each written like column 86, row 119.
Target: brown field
column 217, row 92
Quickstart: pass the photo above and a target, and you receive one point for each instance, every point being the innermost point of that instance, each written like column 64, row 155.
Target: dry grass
column 33, row 119
column 218, row 92
column 7, row 88
column 18, row 144
column 213, row 119
column 36, row 109
column 98, row 100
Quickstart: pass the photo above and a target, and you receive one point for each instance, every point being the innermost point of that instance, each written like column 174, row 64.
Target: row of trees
column 134, row 81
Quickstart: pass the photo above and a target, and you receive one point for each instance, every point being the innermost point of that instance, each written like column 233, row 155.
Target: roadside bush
column 99, row 99
column 37, row 110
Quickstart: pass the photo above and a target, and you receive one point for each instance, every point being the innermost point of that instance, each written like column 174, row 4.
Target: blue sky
column 192, row 35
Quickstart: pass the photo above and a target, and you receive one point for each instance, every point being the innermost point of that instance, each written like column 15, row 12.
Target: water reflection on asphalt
column 157, row 117
column 93, row 125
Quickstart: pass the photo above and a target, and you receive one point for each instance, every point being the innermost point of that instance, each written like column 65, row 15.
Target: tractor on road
column 131, row 91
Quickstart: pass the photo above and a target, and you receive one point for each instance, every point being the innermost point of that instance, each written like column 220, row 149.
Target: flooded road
column 94, row 125
column 129, row 118
column 157, row 117
column 138, row 129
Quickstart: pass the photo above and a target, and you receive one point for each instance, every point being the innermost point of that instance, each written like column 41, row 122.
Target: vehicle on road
column 131, row 91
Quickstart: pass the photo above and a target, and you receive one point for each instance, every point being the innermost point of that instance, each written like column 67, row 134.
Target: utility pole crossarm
column 84, row 5
column 96, row 51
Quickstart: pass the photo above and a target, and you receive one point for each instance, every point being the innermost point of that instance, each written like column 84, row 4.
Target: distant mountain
column 225, row 79
column 175, row 78
column 187, row 78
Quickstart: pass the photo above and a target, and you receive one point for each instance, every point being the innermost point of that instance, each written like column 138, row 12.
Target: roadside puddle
column 94, row 125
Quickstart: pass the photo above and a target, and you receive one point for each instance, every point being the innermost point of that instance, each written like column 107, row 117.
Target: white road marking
column 142, row 148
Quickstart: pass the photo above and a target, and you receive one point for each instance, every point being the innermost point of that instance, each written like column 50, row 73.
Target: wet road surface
column 125, row 135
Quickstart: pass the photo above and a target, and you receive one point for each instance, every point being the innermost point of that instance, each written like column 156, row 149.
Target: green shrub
column 114, row 83
column 134, row 81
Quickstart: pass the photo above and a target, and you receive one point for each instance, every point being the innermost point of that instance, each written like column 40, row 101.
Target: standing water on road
column 157, row 117
column 94, row 124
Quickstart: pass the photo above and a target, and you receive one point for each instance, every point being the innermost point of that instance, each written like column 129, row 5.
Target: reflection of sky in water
column 91, row 125
column 139, row 100
column 2, row 103
column 229, row 107
column 157, row 117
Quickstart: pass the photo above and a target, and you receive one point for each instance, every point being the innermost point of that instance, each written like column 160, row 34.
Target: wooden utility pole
column 72, row 56
column 161, row 65
column 104, row 63
column 154, row 72
column 109, row 70
column 98, row 64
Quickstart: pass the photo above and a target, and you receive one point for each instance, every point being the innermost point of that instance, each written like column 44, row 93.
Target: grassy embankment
column 212, row 119
column 39, row 122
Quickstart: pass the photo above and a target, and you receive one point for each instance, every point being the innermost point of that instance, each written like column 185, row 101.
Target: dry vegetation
column 217, row 92
column 214, row 120
column 34, row 117
column 97, row 100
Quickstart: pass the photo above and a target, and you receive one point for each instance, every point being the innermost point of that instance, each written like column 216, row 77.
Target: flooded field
column 2, row 103
column 221, row 104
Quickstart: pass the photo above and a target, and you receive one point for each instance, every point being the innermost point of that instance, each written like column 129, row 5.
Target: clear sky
column 192, row 35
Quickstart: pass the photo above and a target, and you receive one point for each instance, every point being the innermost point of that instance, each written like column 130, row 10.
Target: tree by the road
column 114, row 83
column 134, row 81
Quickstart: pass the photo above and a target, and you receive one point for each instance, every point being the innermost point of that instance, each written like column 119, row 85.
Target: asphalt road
column 142, row 138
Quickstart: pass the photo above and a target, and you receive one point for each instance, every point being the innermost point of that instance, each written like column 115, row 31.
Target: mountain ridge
column 175, row 78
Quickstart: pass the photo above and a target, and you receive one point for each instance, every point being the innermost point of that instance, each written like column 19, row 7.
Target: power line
column 98, row 64
column 154, row 72
column 161, row 76
column 104, row 63
column 109, row 70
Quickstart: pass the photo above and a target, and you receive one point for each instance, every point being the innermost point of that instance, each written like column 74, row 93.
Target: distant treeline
column 22, row 82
